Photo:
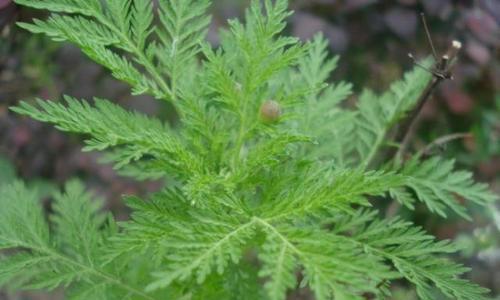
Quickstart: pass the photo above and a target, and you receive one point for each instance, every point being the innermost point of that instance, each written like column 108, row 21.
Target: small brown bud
column 270, row 111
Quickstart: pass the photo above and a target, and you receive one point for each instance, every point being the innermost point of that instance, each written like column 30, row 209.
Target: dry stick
column 428, row 34
column 441, row 71
column 405, row 131
column 440, row 141
column 403, row 134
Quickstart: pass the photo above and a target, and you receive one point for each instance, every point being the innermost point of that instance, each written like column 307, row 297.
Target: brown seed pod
column 270, row 111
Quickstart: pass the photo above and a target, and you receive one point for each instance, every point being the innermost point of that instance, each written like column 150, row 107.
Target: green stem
column 106, row 276
column 240, row 141
column 396, row 261
column 278, row 234
column 373, row 151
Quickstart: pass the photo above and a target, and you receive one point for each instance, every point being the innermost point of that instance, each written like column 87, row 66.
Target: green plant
column 272, row 196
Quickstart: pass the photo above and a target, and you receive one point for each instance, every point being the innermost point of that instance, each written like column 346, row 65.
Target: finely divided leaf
column 67, row 256
column 111, row 127
column 278, row 267
column 196, row 253
column 414, row 253
column 436, row 183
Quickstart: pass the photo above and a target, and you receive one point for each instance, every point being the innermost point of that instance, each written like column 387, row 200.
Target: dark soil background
column 373, row 39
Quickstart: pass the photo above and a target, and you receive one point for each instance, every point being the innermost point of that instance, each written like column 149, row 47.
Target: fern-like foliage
column 322, row 115
column 100, row 28
column 411, row 251
column 66, row 252
column 435, row 183
column 272, row 178
column 103, row 124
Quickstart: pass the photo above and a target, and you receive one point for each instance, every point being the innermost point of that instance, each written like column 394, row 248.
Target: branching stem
column 85, row 268
column 442, row 141
column 405, row 131
column 140, row 56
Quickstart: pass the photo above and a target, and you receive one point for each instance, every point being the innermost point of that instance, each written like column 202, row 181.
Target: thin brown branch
column 439, row 142
column 441, row 71
column 404, row 132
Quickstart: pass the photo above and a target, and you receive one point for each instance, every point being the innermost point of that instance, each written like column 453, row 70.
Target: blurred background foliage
column 373, row 39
